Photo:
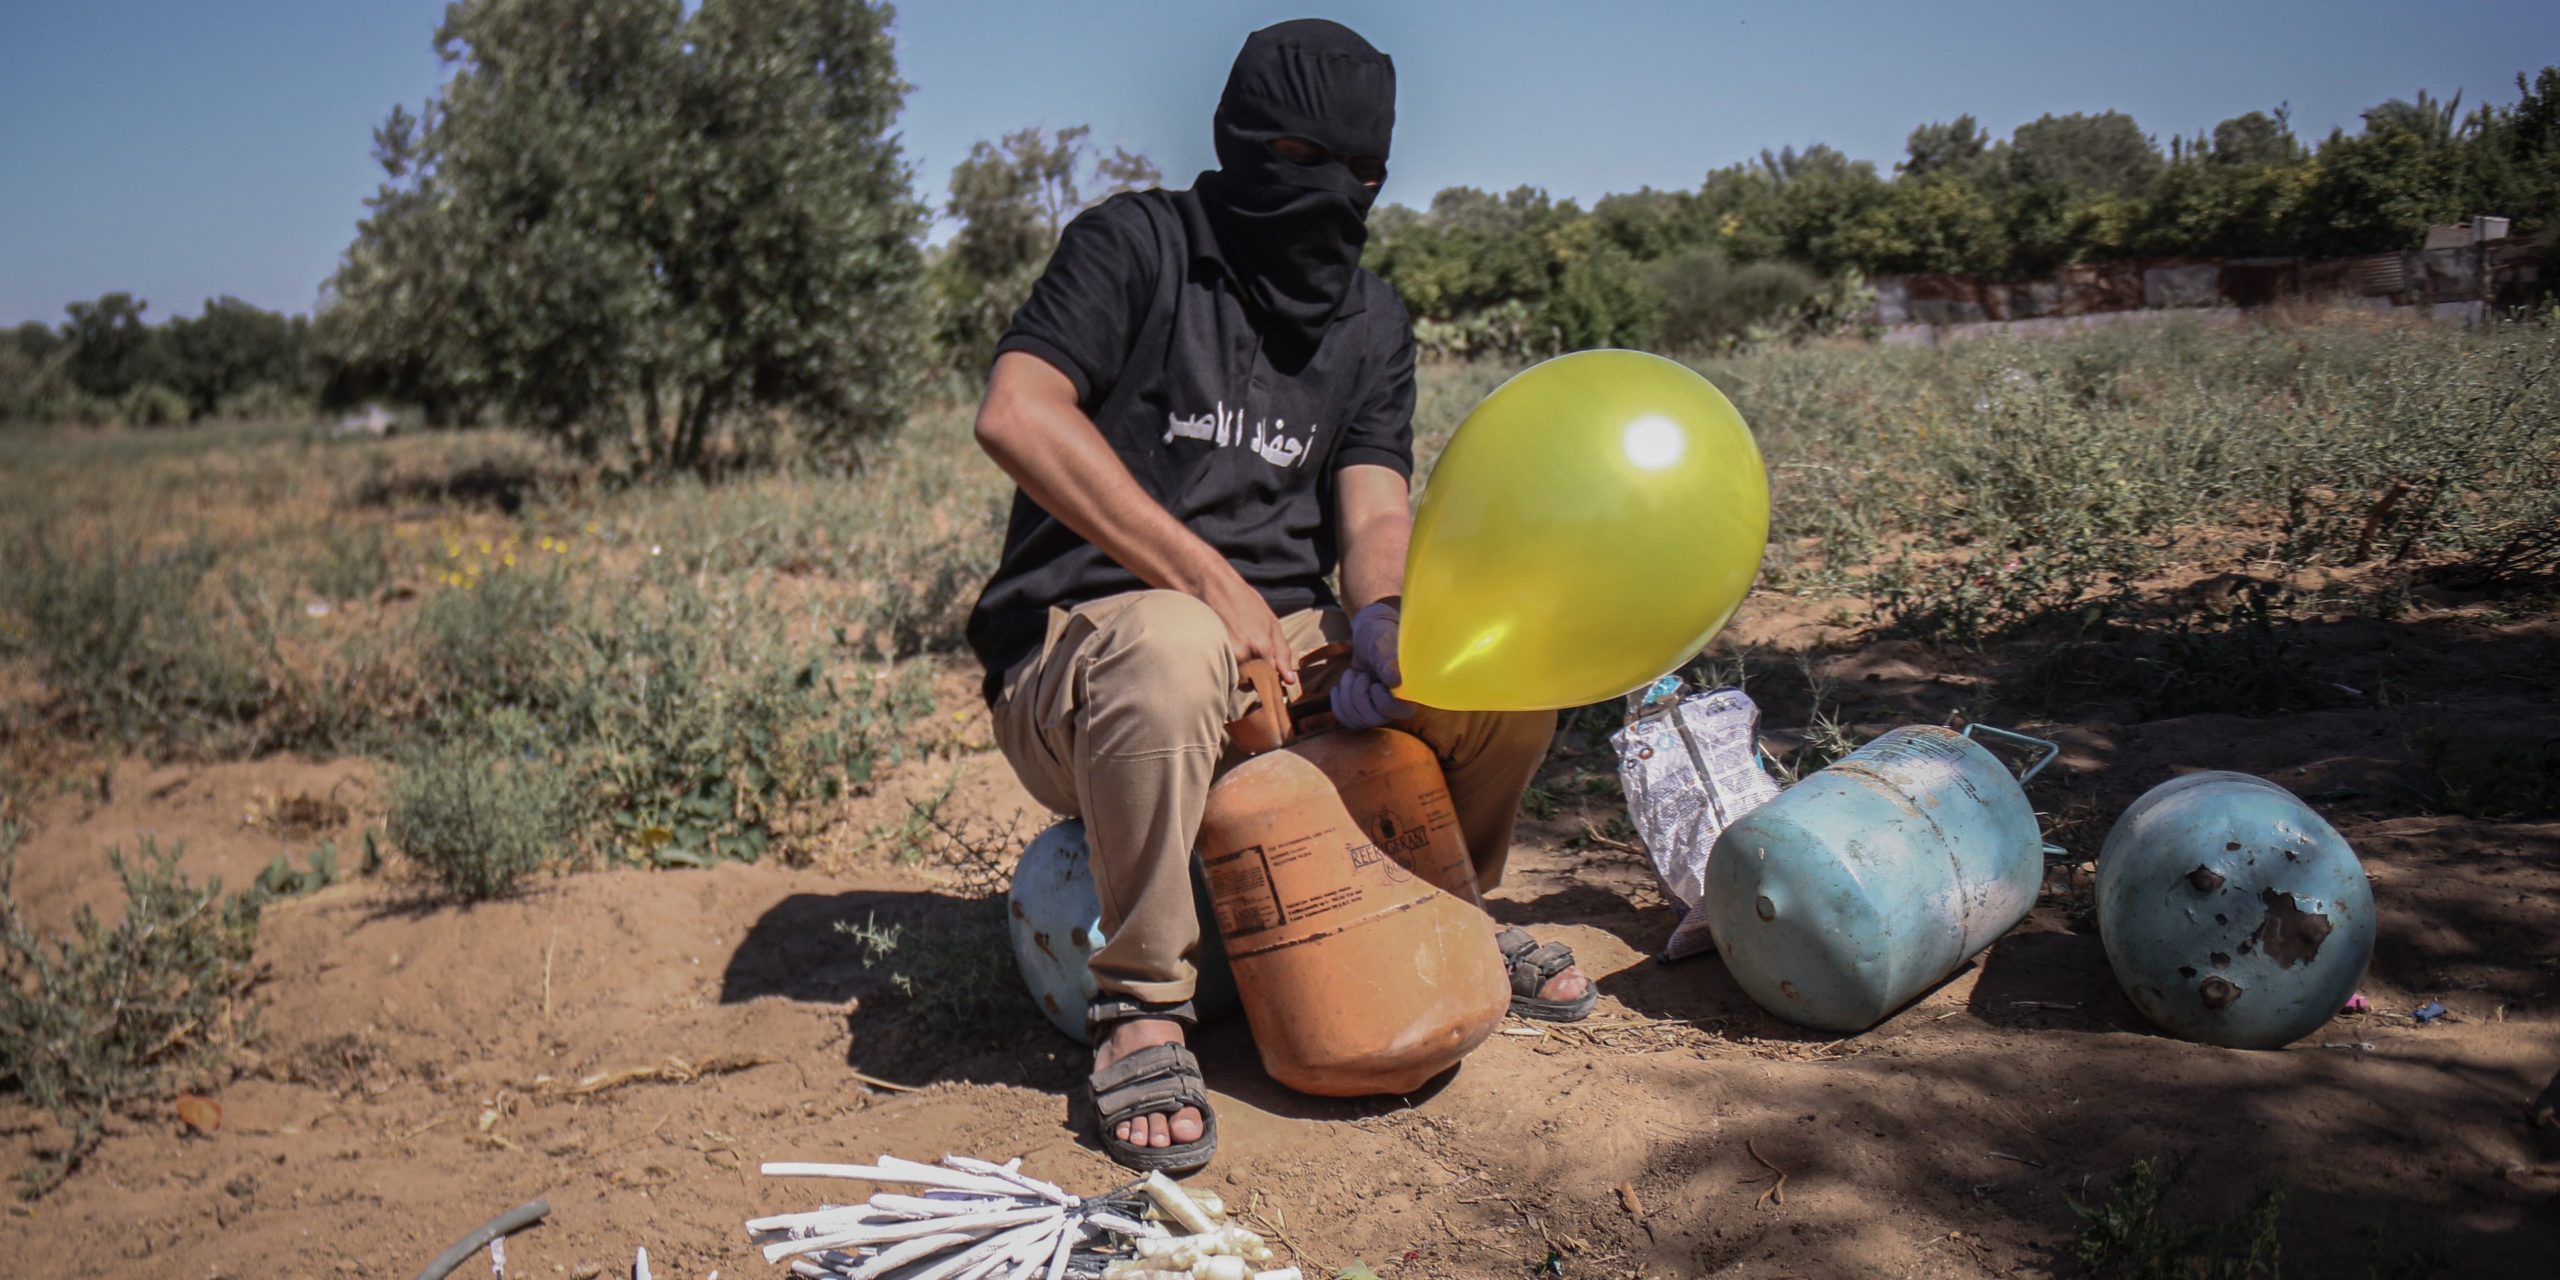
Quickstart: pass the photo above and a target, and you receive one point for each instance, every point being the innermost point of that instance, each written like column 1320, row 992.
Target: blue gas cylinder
column 1055, row 917
column 1868, row 882
column 2233, row 914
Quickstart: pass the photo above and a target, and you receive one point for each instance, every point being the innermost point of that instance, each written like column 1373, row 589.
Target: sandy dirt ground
column 419, row 1066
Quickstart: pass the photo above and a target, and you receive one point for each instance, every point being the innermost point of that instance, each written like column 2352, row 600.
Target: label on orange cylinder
column 1311, row 884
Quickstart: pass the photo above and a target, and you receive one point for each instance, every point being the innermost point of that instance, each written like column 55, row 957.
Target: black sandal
column 1157, row 1080
column 1533, row 965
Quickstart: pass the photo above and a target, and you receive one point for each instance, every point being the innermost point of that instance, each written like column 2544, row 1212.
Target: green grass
column 2133, row 1235
column 2136, row 1233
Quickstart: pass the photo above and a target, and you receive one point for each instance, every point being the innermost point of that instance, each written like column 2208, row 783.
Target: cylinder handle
column 1273, row 722
column 2051, row 748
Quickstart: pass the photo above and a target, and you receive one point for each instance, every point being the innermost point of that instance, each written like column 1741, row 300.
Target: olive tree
column 619, row 223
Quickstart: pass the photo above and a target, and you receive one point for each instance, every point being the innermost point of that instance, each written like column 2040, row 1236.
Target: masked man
column 1206, row 406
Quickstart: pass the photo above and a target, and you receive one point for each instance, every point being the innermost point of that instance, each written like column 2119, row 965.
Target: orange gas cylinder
column 1342, row 887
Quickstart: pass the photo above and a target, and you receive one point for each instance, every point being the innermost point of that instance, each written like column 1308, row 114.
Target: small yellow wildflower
column 484, row 546
column 511, row 560
column 452, row 552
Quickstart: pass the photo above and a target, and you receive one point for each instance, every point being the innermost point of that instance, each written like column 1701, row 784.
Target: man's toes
column 1568, row 985
column 1159, row 1133
column 1186, row 1125
column 1122, row 1131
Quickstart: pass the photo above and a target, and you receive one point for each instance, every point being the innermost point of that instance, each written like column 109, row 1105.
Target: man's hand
column 1253, row 631
column 1365, row 697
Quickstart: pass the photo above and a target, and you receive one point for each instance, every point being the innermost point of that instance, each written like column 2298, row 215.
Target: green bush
column 697, row 729
column 2244, row 657
column 495, row 644
column 483, row 813
column 153, row 405
column 119, row 1012
column 2505, row 782
column 264, row 402
column 1708, row 303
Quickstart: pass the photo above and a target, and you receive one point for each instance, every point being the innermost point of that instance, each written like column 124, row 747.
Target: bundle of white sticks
column 978, row 1220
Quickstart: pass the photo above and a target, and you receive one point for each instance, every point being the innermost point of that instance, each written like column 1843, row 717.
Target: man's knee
column 1167, row 651
column 1480, row 738
column 1523, row 734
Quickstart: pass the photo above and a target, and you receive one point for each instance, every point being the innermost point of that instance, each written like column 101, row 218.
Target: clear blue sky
column 181, row 149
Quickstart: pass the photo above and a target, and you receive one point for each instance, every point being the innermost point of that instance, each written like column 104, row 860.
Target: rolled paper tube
column 1178, row 1206
column 892, row 1170
column 972, row 1224
column 1033, row 1185
column 996, row 1247
column 923, row 1206
column 901, row 1254
column 1058, row 1254
column 936, row 1175
column 1129, row 1227
column 845, row 1215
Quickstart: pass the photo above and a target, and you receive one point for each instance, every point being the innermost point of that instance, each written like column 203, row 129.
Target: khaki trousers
column 1121, row 720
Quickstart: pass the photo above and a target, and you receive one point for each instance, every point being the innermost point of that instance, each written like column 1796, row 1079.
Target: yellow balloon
column 1590, row 526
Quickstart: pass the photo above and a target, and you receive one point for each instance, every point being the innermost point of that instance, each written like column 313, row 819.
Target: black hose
column 508, row 1223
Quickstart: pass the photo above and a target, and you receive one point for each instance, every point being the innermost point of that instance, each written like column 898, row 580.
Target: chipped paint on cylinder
column 1868, row 882
column 2232, row 913
column 1053, row 899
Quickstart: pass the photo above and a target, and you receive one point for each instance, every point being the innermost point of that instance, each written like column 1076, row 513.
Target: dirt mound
column 233, row 819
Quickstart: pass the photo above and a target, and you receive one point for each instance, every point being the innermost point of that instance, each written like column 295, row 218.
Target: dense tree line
column 104, row 364
column 626, row 225
column 1780, row 240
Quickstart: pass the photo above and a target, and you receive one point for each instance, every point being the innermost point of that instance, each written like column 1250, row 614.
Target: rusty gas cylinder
column 1348, row 905
column 2232, row 912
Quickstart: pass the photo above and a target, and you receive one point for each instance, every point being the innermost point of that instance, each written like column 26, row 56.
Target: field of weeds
column 511, row 775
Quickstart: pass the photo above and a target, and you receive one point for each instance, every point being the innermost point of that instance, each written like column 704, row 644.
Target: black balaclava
column 1293, row 232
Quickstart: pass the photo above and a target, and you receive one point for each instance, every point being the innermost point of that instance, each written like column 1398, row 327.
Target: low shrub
column 495, row 642
column 482, row 814
column 265, row 402
column 699, row 734
column 119, row 633
column 2133, row 1236
column 955, row 970
column 1709, row 303
column 121, row 1012
column 153, row 405
column 2503, row 782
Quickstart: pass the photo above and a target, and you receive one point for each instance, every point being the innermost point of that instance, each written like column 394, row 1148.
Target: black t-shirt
column 1138, row 309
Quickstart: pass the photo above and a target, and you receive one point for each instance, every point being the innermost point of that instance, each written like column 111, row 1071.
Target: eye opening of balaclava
column 1293, row 232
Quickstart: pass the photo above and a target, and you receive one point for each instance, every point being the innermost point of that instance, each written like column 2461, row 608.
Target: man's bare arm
column 1376, row 509
column 1033, row 428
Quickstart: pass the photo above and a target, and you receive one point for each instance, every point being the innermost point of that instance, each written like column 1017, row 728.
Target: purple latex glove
column 1365, row 696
